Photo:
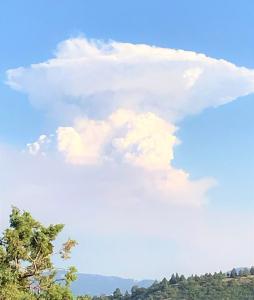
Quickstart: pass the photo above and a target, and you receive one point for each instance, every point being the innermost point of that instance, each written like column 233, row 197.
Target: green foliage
column 173, row 279
column 27, row 271
column 117, row 294
column 233, row 273
column 252, row 270
column 26, row 268
column 215, row 286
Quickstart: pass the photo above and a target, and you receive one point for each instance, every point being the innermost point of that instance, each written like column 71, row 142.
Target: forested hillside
column 27, row 271
column 218, row 286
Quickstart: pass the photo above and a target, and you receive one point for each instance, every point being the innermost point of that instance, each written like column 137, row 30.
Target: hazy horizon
column 132, row 124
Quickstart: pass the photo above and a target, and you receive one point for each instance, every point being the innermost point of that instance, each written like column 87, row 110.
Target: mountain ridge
column 96, row 284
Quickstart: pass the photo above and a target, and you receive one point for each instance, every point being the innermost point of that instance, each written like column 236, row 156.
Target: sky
column 131, row 122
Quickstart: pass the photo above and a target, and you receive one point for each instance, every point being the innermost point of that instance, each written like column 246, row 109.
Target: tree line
column 27, row 271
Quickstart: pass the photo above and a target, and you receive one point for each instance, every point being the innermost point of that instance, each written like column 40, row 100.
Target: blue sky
column 216, row 143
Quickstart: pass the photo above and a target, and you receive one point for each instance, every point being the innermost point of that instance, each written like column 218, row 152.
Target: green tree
column 26, row 268
column 233, row 273
column 182, row 278
column 252, row 270
column 117, row 294
column 164, row 283
column 245, row 272
column 134, row 289
column 126, row 295
column 172, row 279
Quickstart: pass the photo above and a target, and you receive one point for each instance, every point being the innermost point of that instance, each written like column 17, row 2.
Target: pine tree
column 233, row 273
column 172, row 279
column 252, row 270
column 182, row 278
column 164, row 284
column 126, row 295
column 117, row 294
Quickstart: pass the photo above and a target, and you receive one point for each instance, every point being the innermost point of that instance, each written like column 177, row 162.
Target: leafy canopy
column 26, row 268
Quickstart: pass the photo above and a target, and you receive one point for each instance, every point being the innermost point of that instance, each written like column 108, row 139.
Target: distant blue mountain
column 95, row 285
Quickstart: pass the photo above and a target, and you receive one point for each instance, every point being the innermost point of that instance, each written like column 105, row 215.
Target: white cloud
column 120, row 102
column 96, row 78
column 130, row 141
column 140, row 139
column 104, row 206
column 82, row 144
column 39, row 146
column 117, row 106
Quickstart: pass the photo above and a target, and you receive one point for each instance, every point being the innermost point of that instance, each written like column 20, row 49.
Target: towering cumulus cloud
column 109, row 162
column 121, row 102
